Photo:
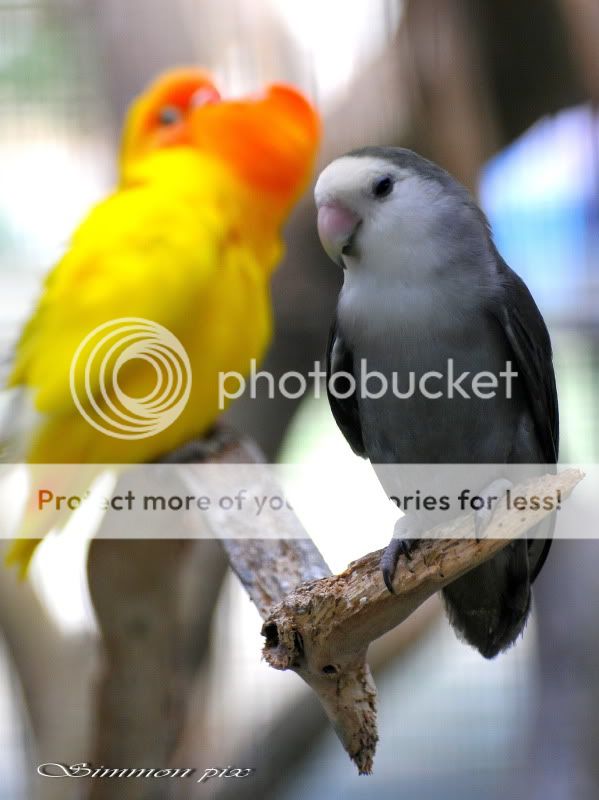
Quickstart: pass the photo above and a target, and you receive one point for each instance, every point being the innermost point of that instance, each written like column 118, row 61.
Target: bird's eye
column 382, row 187
column 169, row 115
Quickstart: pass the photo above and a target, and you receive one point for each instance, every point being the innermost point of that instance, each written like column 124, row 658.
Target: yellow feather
column 20, row 554
column 187, row 241
column 168, row 251
column 172, row 248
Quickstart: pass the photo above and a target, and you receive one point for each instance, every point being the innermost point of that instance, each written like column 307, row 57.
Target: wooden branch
column 323, row 629
column 141, row 694
column 283, row 741
column 153, row 643
column 56, row 672
column 320, row 625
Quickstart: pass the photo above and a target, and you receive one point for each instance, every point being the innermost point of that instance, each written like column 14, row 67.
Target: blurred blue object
column 541, row 197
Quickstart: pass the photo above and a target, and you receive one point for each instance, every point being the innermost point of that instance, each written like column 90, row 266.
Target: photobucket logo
column 371, row 384
column 107, row 354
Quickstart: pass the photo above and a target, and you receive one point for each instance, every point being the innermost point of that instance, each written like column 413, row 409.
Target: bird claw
column 390, row 558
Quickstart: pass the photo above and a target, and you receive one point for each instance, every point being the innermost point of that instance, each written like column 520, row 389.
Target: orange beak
column 270, row 141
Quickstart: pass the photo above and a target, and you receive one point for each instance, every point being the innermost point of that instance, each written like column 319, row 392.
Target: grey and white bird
column 424, row 285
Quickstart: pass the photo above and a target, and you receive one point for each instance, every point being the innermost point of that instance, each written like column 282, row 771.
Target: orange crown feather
column 268, row 141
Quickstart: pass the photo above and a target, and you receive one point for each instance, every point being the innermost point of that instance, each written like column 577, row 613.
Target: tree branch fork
column 320, row 625
column 322, row 629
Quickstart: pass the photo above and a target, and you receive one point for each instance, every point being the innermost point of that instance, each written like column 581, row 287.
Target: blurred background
column 503, row 94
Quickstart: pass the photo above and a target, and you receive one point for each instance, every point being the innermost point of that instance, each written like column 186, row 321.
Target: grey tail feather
column 488, row 607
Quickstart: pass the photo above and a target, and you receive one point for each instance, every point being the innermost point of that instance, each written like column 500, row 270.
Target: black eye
column 382, row 187
column 169, row 115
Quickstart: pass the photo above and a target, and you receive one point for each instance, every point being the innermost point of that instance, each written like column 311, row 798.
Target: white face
column 398, row 212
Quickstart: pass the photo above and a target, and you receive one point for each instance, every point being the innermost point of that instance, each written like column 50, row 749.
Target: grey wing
column 345, row 408
column 527, row 334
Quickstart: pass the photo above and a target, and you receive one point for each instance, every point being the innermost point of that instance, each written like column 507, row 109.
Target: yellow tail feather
column 20, row 553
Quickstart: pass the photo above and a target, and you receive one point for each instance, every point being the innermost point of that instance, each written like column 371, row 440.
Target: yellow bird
column 180, row 256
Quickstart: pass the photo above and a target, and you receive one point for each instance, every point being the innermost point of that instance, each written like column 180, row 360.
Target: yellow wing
column 182, row 250
column 179, row 261
column 138, row 254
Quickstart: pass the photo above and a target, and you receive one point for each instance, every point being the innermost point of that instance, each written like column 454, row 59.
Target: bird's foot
column 402, row 543
column 491, row 495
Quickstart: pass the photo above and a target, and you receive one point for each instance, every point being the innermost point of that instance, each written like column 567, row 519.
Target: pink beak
column 336, row 227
